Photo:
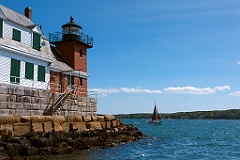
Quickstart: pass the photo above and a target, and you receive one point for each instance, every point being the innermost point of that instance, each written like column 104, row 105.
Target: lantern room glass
column 71, row 30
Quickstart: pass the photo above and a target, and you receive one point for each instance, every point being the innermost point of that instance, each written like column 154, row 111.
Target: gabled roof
column 58, row 61
column 16, row 17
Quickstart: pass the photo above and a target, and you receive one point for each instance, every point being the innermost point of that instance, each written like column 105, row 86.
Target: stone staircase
column 57, row 105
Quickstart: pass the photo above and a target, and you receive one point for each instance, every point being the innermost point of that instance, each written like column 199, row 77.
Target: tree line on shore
column 216, row 114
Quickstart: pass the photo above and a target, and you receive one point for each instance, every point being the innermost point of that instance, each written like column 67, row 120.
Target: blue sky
column 183, row 54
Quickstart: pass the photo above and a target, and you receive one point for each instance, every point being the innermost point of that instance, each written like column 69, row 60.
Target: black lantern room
column 71, row 30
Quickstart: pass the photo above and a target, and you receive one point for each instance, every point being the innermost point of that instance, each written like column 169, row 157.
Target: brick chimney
column 28, row 13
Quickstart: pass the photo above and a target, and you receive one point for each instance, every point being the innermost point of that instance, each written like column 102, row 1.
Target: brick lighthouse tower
column 72, row 44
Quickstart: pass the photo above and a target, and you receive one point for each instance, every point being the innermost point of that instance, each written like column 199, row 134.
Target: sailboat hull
column 155, row 122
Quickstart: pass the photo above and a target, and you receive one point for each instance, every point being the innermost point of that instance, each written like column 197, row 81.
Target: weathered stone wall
column 34, row 137
column 22, row 101
column 16, row 126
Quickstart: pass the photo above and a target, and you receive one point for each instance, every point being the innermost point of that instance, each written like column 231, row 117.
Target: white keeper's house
column 24, row 51
column 29, row 60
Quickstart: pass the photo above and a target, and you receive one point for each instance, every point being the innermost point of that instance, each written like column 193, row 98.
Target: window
column 81, row 82
column 1, row 28
column 29, row 70
column 15, row 71
column 80, row 52
column 69, row 80
column 16, row 35
column 36, row 41
column 41, row 73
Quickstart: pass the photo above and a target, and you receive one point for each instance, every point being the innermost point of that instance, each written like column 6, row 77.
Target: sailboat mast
column 154, row 116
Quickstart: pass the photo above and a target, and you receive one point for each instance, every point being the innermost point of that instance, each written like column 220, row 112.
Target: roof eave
column 13, row 50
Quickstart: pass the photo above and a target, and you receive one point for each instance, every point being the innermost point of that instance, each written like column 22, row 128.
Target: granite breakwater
column 35, row 137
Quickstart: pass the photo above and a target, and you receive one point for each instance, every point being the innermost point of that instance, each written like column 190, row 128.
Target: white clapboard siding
column 26, row 37
column 7, row 30
column 6, row 65
column 5, row 69
column 6, row 55
column 23, row 80
column 22, row 70
column 25, row 33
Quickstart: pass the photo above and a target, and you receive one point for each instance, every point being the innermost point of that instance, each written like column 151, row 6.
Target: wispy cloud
column 238, row 62
column 139, row 97
column 237, row 94
column 140, row 90
column 175, row 90
column 126, row 90
column 195, row 90
column 102, row 95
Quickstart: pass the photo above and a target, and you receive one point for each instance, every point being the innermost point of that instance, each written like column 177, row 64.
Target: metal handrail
column 60, row 98
column 58, row 37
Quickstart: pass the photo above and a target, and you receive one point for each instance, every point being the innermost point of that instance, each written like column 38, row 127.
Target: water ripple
column 175, row 139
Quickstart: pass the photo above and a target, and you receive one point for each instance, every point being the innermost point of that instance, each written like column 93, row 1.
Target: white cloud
column 103, row 95
column 139, row 97
column 126, row 90
column 139, row 90
column 195, row 90
column 101, row 90
column 175, row 90
column 238, row 62
column 237, row 94
column 222, row 88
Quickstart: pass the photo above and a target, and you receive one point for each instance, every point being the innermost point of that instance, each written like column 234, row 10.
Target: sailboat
column 156, row 119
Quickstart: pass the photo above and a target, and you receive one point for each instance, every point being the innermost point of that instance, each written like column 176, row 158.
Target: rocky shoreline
column 35, row 137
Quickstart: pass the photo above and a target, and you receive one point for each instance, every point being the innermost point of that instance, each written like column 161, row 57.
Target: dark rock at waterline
column 40, row 144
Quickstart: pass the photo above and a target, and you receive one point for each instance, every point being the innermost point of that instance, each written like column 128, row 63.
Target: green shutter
column 69, row 80
column 16, row 35
column 1, row 28
column 29, row 70
column 15, row 71
column 41, row 73
column 36, row 41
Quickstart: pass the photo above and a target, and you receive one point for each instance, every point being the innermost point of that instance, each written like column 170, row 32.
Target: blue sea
column 173, row 139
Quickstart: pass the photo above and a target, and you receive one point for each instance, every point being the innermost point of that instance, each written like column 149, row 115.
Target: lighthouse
column 72, row 44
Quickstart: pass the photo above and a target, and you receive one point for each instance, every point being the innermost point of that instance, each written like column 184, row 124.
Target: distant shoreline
column 215, row 114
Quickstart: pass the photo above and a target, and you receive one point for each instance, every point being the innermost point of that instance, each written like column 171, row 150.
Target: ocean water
column 173, row 139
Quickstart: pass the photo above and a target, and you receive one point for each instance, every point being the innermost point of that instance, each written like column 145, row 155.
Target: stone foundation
column 32, row 137
column 22, row 125
column 22, row 101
